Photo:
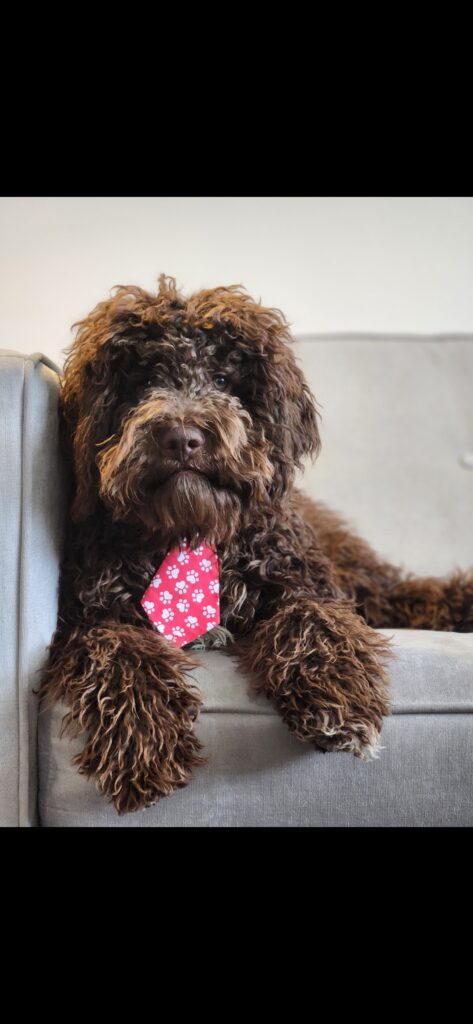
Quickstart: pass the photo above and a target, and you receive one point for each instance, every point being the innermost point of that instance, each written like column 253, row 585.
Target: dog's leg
column 322, row 666
column 383, row 594
column 125, row 689
column 429, row 602
column 124, row 685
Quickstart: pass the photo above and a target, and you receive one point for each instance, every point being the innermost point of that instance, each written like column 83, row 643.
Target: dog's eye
column 220, row 381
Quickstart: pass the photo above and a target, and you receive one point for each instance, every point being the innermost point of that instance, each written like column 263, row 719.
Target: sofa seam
column 381, row 335
column 18, row 355
column 19, row 595
column 41, row 358
column 439, row 710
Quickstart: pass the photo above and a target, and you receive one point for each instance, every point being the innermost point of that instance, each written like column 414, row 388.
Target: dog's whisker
column 107, row 439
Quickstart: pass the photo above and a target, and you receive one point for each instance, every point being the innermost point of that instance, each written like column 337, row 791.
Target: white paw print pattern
column 182, row 599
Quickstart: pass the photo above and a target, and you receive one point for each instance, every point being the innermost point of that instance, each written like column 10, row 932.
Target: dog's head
column 184, row 413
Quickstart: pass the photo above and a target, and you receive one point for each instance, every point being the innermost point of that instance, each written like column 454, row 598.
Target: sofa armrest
column 32, row 506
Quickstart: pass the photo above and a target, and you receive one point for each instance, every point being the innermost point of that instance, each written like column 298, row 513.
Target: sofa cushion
column 259, row 775
column 397, row 442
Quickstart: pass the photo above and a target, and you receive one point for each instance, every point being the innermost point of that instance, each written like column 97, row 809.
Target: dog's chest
column 238, row 598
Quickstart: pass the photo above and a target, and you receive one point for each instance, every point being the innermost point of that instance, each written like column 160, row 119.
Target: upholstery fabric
column 397, row 423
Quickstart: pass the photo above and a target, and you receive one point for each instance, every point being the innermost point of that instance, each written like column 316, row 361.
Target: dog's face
column 184, row 413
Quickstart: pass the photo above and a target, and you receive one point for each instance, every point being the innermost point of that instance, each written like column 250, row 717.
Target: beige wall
column 332, row 264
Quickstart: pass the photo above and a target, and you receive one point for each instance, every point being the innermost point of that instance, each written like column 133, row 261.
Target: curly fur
column 300, row 593
column 129, row 695
column 322, row 667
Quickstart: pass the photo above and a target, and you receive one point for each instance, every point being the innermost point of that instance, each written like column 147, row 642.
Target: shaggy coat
column 186, row 418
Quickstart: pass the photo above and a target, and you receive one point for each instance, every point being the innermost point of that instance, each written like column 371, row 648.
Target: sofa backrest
column 397, row 442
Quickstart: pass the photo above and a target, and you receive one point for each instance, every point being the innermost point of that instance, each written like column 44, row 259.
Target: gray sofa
column 397, row 428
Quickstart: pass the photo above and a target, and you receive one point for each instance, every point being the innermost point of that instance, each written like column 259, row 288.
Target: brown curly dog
column 300, row 594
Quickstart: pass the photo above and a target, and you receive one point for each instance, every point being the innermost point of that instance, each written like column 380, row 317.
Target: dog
column 184, row 420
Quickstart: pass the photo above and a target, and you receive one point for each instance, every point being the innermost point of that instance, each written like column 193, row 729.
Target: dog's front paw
column 356, row 731
column 142, row 762
column 126, row 690
column 358, row 736
column 143, row 746
column 325, row 670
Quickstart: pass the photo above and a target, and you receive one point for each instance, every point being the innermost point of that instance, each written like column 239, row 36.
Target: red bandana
column 182, row 599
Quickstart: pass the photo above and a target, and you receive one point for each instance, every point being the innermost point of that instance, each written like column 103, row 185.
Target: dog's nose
column 182, row 442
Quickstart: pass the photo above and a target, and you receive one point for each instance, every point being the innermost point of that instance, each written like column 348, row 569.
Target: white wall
column 332, row 264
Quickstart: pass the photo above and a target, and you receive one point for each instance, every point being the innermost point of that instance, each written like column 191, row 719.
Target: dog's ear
column 85, row 423
column 278, row 390
column 90, row 385
column 290, row 416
